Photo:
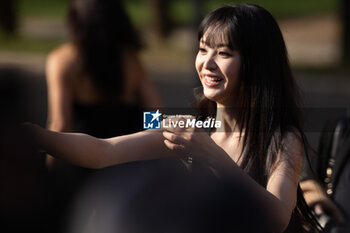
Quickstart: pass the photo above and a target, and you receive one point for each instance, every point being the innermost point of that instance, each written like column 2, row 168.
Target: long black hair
column 102, row 31
column 268, row 95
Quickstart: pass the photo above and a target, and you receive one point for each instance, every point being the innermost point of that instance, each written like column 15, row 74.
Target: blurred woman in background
column 97, row 78
column 96, row 84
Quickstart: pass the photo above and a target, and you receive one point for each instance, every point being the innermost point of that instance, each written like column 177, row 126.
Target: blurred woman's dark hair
column 102, row 32
column 268, row 97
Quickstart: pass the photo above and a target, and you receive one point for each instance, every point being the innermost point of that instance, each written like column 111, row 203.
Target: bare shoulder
column 291, row 151
column 62, row 61
column 292, row 143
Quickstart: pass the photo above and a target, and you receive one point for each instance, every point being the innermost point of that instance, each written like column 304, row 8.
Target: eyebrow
column 216, row 46
column 222, row 45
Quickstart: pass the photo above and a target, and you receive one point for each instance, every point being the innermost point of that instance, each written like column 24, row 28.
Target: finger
column 318, row 209
column 174, row 124
column 178, row 149
column 173, row 146
column 168, row 126
column 174, row 138
column 184, row 137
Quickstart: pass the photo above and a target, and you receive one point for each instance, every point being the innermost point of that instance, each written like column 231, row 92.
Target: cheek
column 232, row 72
column 234, row 68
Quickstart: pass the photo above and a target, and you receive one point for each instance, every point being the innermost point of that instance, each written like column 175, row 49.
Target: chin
column 218, row 98
column 211, row 95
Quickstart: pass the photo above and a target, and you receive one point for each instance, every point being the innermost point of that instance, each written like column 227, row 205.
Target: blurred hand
column 319, row 202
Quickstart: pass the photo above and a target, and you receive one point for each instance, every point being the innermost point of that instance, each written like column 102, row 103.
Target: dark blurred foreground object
column 8, row 16
column 162, row 196
column 330, row 199
column 24, row 198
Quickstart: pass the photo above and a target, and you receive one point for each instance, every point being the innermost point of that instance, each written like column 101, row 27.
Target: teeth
column 212, row 79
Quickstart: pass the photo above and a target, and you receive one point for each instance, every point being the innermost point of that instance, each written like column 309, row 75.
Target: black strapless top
column 107, row 120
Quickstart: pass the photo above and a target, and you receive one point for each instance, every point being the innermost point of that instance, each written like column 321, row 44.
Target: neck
column 228, row 136
column 228, row 118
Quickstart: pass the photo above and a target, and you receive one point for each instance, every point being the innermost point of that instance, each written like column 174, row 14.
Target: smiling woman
column 255, row 158
column 218, row 69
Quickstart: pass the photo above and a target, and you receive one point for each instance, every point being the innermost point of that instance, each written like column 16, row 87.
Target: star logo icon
column 155, row 115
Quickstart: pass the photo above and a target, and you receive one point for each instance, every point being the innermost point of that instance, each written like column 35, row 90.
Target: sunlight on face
column 218, row 69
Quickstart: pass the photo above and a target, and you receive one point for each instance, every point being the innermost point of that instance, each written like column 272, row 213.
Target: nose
column 209, row 62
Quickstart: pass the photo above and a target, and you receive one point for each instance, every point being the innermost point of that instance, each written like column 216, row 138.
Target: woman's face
column 218, row 68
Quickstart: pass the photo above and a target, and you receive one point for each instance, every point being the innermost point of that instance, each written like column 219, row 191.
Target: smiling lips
column 211, row 80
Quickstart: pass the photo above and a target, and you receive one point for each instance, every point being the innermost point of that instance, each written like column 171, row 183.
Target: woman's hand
column 191, row 143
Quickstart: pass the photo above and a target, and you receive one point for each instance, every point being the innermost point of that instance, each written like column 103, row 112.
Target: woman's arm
column 59, row 93
column 278, row 199
column 87, row 151
column 284, row 178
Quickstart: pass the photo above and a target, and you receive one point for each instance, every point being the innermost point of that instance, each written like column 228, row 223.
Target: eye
column 202, row 50
column 225, row 54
